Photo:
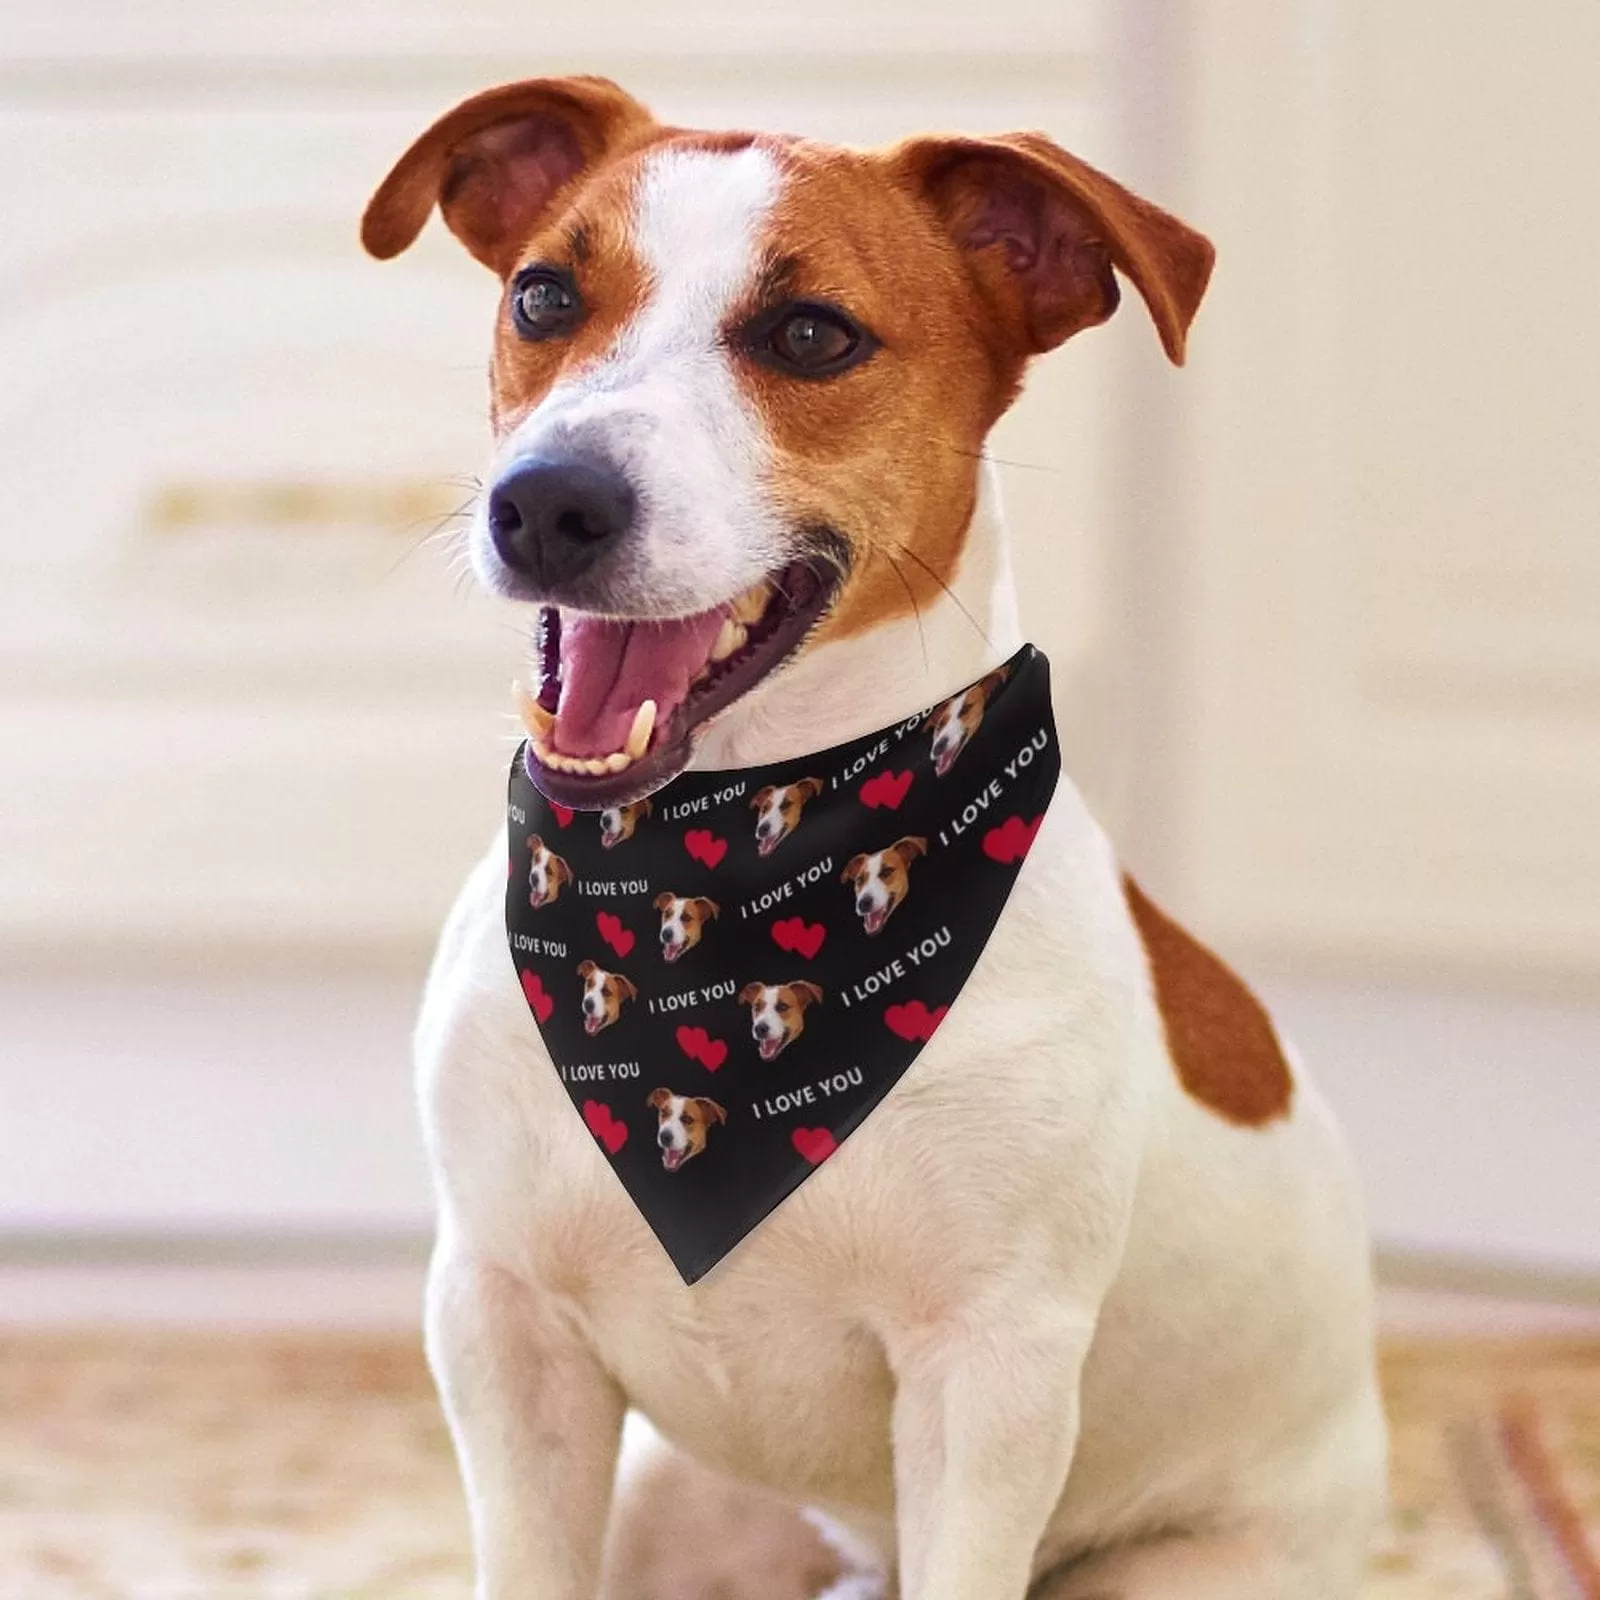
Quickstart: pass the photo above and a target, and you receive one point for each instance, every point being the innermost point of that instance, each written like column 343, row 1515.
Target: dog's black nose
column 666, row 936
column 551, row 519
column 664, row 1138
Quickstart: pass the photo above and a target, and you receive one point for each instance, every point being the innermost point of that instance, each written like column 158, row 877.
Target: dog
column 778, row 808
column 882, row 880
column 958, row 718
column 686, row 1120
column 603, row 995
column 548, row 873
column 778, row 1013
column 682, row 921
column 618, row 822
column 1084, row 1307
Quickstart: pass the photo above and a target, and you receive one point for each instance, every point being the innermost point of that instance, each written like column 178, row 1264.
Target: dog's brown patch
column 1219, row 1036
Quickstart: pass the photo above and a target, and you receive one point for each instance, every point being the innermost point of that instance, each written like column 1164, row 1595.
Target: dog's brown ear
column 587, row 969
column 534, row 841
column 809, row 993
column 749, row 994
column 643, row 807
column 663, row 901
column 1041, row 232
column 993, row 682
column 712, row 1111
column 810, row 787
column 560, row 872
column 760, row 798
column 912, row 846
column 626, row 986
column 659, row 1099
column 852, row 869
column 709, row 908
column 494, row 164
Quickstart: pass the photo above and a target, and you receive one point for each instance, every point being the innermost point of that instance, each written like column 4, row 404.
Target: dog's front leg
column 536, row 1424
column 985, row 1424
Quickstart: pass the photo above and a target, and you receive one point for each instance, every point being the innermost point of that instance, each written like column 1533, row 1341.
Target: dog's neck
column 839, row 691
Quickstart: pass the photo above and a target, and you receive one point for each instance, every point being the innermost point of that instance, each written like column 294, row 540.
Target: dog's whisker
column 1001, row 461
column 911, row 595
column 956, row 600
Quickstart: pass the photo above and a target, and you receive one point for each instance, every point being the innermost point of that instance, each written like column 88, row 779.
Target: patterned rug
column 281, row 1467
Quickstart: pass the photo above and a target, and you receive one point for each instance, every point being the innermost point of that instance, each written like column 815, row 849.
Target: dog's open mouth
column 673, row 951
column 875, row 919
column 672, row 1158
column 769, row 1048
column 620, row 699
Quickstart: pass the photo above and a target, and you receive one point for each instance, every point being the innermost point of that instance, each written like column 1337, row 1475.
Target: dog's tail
column 682, row 1532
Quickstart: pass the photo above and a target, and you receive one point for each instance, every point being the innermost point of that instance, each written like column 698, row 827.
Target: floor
column 169, row 1464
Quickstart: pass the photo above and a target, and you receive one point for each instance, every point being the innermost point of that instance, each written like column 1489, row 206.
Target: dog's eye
column 544, row 303
column 808, row 340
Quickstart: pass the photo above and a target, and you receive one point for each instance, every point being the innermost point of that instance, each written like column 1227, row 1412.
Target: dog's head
column 547, row 873
column 955, row 722
column 777, row 808
column 685, row 1122
column 778, row 1013
column 618, row 822
column 741, row 382
column 683, row 920
column 603, row 994
column 881, row 879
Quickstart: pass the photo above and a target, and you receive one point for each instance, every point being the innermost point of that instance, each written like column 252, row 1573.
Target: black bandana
column 731, row 974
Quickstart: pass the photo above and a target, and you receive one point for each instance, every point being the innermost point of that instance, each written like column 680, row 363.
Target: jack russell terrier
column 778, row 808
column 685, row 1123
column 1112, row 1337
column 683, row 920
column 882, row 879
column 778, row 1013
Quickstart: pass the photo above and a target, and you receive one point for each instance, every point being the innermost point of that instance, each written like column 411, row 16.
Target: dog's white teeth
column 730, row 638
column 536, row 721
column 644, row 721
column 617, row 761
column 749, row 606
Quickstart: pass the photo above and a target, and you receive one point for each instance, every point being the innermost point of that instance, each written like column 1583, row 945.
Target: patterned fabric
column 305, row 1467
column 730, row 975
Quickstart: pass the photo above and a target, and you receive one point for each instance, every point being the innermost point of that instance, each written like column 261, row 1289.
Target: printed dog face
column 603, row 994
column 778, row 809
column 682, row 922
column 618, row 822
column 726, row 364
column 685, row 1123
column 547, row 874
column 955, row 722
column 882, row 880
column 778, row 1013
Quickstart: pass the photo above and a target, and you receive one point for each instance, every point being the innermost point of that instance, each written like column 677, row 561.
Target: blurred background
column 1325, row 604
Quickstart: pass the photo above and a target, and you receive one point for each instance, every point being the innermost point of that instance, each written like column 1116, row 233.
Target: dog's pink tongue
column 609, row 668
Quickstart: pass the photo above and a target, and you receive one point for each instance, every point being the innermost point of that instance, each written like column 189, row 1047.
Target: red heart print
column 699, row 1046
column 815, row 1144
column 913, row 1020
column 541, row 1003
column 1012, row 840
column 798, row 936
column 611, row 1131
column 564, row 815
column 611, row 930
column 705, row 846
column 886, row 789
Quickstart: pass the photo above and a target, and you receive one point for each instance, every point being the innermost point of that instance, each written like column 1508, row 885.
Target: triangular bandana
column 730, row 975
